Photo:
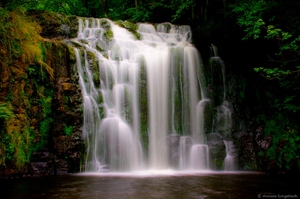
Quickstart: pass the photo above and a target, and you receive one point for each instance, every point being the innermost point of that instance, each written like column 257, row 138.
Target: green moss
column 26, row 112
column 68, row 130
column 178, row 92
column 143, row 104
column 45, row 126
column 127, row 105
column 101, row 107
column 104, row 23
column 130, row 26
column 108, row 35
column 94, row 68
column 18, row 147
column 166, row 25
column 9, row 147
column 219, row 163
column 71, row 54
column 6, row 111
column 46, row 106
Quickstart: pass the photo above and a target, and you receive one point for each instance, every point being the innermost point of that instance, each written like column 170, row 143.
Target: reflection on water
column 201, row 185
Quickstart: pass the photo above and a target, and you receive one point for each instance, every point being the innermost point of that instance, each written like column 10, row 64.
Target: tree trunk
column 105, row 7
column 205, row 10
column 193, row 11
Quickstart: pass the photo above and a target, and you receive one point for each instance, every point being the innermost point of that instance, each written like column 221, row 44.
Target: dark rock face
column 66, row 134
column 42, row 163
column 217, row 151
column 63, row 152
column 55, row 25
column 244, row 141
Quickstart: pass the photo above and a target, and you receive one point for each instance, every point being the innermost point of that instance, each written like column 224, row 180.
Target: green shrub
column 68, row 130
column 285, row 141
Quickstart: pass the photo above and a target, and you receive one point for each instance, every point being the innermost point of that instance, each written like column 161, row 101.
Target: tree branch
column 280, row 76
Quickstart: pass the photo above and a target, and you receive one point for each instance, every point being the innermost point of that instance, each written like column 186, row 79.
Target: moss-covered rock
column 130, row 26
column 108, row 35
column 143, row 99
column 55, row 25
column 217, row 151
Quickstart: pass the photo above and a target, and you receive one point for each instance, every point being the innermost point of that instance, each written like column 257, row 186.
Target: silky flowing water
column 145, row 99
column 147, row 186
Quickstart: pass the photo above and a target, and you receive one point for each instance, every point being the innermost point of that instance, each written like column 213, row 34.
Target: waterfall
column 230, row 156
column 223, row 121
column 185, row 149
column 200, row 157
column 113, row 67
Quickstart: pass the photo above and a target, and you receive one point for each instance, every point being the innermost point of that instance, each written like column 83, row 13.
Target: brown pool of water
column 181, row 186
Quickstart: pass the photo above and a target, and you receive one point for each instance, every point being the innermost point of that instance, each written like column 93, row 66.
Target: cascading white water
column 185, row 146
column 200, row 157
column 112, row 141
column 110, row 73
column 224, row 119
column 230, row 164
column 224, row 116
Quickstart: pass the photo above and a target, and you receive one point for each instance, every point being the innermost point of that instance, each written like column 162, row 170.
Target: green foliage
column 19, row 140
column 285, row 141
column 20, row 39
column 279, row 34
column 68, row 130
column 261, row 20
column 5, row 111
column 250, row 16
column 184, row 6
column 45, row 124
column 272, row 73
column 68, row 7
column 42, row 138
column 46, row 106
column 9, row 147
column 142, row 14
column 6, row 44
column 287, row 100
column 16, row 147
column 26, row 129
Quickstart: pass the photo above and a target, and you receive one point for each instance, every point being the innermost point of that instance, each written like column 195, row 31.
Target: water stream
column 144, row 99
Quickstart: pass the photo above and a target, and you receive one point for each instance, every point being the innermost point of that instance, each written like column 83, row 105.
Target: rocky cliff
column 42, row 137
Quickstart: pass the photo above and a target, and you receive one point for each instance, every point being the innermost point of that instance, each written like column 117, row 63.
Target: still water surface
column 181, row 186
